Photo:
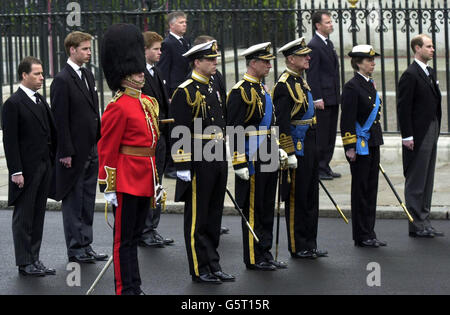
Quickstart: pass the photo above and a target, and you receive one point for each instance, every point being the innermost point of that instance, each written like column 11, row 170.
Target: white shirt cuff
column 408, row 138
column 18, row 173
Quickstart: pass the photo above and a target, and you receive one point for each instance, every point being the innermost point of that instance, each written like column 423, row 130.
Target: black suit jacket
column 358, row 100
column 26, row 138
column 419, row 103
column 323, row 73
column 156, row 87
column 76, row 113
column 174, row 67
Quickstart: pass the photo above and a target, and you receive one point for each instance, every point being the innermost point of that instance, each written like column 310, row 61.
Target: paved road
column 408, row 266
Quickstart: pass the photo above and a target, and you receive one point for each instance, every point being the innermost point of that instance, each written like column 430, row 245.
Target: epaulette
column 185, row 83
column 116, row 96
column 283, row 77
column 237, row 85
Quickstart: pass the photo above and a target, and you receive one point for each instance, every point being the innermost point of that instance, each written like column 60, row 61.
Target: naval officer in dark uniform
column 295, row 112
column 200, row 161
column 362, row 137
column 249, row 106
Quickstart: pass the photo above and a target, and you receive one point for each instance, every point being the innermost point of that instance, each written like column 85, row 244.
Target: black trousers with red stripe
column 129, row 222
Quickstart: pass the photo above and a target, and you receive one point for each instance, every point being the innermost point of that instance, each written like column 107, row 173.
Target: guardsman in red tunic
column 127, row 172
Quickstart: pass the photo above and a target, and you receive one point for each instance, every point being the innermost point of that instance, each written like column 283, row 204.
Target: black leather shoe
column 278, row 264
column 96, row 256
column 380, row 243
column 224, row 230
column 165, row 241
column 82, row 259
column 139, row 292
column 320, row 252
column 31, row 270
column 325, row 176
column 224, row 276
column 151, row 241
column 263, row 266
column 304, row 254
column 367, row 243
column 333, row 174
column 48, row 271
column 435, row 232
column 208, row 278
column 422, row 233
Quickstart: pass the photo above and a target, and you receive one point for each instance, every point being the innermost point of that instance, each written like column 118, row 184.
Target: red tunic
column 124, row 123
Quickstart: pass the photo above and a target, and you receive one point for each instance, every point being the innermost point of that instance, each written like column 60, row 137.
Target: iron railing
column 38, row 27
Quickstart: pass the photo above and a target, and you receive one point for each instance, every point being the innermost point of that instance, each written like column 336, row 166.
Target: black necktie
column 42, row 108
column 432, row 79
column 83, row 77
column 430, row 74
column 38, row 99
column 184, row 43
column 330, row 47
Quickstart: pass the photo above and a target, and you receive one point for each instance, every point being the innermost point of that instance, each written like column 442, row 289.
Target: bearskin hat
column 122, row 53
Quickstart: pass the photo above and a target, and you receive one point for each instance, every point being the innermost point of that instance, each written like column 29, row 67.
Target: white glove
column 283, row 155
column 243, row 173
column 283, row 159
column 292, row 161
column 159, row 193
column 111, row 198
column 185, row 176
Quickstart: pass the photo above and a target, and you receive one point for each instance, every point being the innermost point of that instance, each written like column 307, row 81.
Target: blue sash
column 299, row 132
column 252, row 143
column 363, row 133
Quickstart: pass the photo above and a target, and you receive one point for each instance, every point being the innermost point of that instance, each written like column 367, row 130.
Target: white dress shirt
column 367, row 79
column 29, row 92
column 322, row 38
column 150, row 69
column 77, row 69
column 423, row 66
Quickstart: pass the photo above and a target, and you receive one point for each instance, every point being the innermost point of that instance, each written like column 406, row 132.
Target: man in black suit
column 419, row 114
column 323, row 78
column 174, row 67
column 75, row 108
column 156, row 87
column 29, row 139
